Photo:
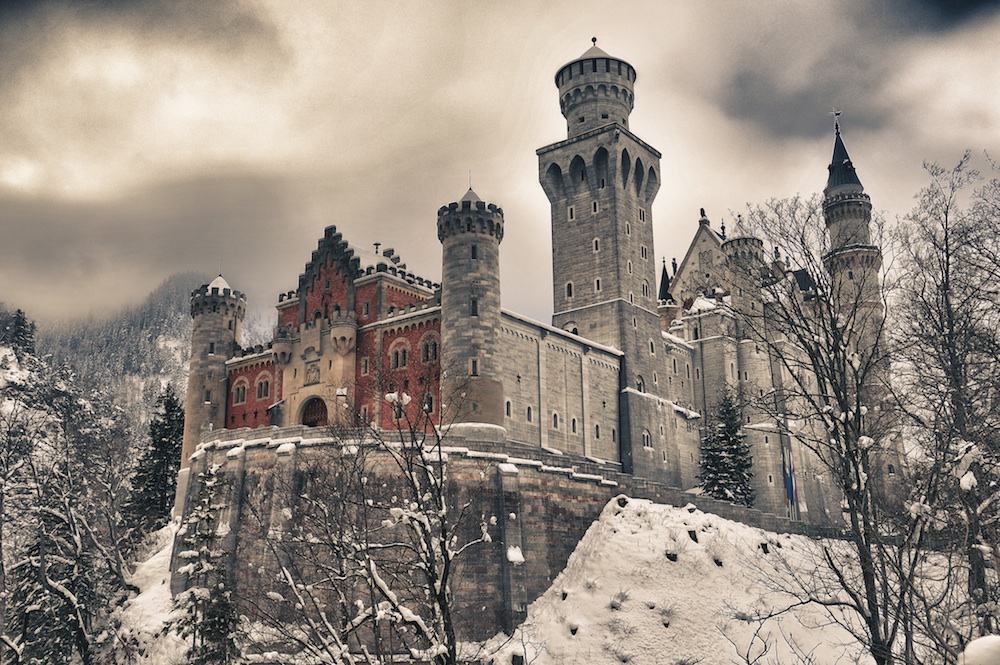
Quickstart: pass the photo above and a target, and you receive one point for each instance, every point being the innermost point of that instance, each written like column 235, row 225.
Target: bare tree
column 949, row 345
column 362, row 559
column 822, row 322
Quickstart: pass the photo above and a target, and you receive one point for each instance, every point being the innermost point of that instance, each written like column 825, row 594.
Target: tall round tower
column 852, row 263
column 595, row 90
column 470, row 232
column 218, row 312
column 745, row 258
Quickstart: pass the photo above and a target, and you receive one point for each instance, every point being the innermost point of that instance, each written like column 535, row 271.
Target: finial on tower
column 593, row 40
column 377, row 245
column 723, row 228
column 673, row 264
column 836, row 119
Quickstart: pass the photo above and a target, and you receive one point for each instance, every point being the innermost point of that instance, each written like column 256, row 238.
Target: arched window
column 397, row 356
column 569, row 289
column 597, row 244
column 507, row 409
column 555, row 421
column 597, row 431
column 429, row 348
column 573, row 425
column 640, row 383
column 647, row 441
column 597, row 285
column 645, row 289
column 529, row 414
column 263, row 389
column 652, row 348
column 675, row 365
column 239, row 392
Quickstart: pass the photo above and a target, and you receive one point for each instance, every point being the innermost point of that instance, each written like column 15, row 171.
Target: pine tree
column 153, row 485
column 726, row 463
column 206, row 609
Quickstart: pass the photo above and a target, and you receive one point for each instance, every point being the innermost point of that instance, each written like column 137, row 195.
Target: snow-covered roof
column 219, row 283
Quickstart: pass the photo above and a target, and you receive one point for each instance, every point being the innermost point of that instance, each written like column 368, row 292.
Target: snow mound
column 652, row 583
column 984, row 651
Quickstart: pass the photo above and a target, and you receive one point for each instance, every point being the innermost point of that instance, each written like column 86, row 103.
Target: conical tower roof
column 471, row 196
column 841, row 167
column 664, row 283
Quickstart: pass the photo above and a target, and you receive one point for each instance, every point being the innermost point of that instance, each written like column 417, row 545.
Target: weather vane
column 836, row 118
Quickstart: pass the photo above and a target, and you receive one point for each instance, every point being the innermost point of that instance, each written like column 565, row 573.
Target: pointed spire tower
column 853, row 263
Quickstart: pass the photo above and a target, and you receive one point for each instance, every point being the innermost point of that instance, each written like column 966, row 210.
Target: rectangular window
column 594, row 207
column 211, row 348
column 473, row 367
column 365, row 309
column 642, row 215
column 473, row 307
column 208, row 396
column 475, row 251
column 570, row 213
column 364, row 367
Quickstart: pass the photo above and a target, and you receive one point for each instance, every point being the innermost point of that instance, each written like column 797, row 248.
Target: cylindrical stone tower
column 744, row 264
column 470, row 232
column 595, row 90
column 218, row 312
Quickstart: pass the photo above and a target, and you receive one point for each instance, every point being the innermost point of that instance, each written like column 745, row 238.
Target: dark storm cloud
column 127, row 245
column 31, row 29
column 847, row 63
column 935, row 15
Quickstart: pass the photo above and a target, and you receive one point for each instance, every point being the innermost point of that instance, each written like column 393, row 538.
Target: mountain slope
column 132, row 354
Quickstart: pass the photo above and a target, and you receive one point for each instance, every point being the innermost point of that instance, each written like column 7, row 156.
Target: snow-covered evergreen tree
column 726, row 462
column 206, row 609
column 152, row 497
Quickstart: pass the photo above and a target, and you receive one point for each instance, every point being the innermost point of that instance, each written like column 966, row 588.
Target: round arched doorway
column 314, row 413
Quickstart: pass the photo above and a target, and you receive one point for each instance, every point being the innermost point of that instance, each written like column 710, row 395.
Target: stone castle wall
column 543, row 504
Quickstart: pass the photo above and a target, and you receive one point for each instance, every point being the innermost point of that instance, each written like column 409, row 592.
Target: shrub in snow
column 618, row 600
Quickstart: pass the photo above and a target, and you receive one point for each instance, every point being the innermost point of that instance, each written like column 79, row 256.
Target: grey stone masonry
column 470, row 232
column 218, row 313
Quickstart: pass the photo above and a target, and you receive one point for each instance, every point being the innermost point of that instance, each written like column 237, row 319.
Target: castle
column 544, row 424
column 626, row 374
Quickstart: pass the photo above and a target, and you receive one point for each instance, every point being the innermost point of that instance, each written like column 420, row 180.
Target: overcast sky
column 143, row 138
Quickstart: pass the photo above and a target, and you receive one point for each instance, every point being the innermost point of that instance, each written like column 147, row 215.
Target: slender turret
column 470, row 232
column 853, row 263
column 218, row 313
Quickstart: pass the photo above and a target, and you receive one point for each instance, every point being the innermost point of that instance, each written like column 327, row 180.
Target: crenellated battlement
column 469, row 216
column 210, row 299
column 595, row 89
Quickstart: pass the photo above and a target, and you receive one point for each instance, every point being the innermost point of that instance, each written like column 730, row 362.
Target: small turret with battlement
column 470, row 232
column 218, row 312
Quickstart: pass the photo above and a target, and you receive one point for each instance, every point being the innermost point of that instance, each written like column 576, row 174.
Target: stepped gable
column 331, row 251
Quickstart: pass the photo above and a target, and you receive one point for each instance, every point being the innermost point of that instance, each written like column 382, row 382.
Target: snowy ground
column 143, row 617
column 622, row 599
